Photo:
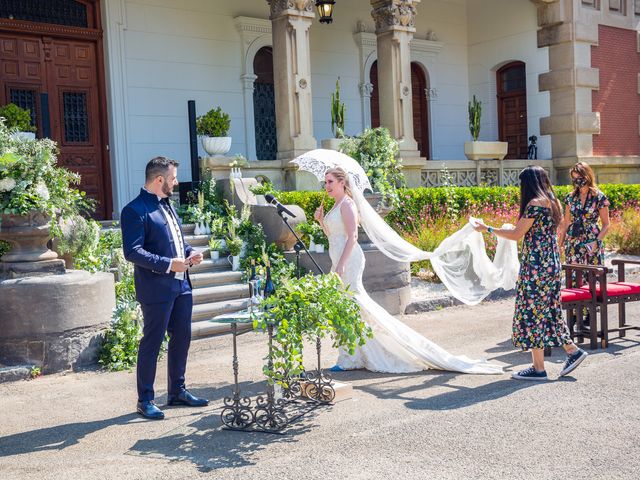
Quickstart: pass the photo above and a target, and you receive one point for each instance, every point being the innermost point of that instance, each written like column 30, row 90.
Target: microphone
column 281, row 208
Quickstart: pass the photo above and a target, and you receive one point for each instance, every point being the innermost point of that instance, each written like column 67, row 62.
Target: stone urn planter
column 28, row 236
column 216, row 145
column 486, row 150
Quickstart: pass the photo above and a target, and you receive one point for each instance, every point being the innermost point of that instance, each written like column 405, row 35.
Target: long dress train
column 394, row 348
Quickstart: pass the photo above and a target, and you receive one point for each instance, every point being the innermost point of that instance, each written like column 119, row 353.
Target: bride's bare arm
column 350, row 219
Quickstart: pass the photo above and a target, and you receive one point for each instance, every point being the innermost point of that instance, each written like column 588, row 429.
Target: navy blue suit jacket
column 148, row 244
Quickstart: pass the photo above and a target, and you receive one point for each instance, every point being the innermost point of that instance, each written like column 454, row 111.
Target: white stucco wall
column 162, row 53
column 502, row 31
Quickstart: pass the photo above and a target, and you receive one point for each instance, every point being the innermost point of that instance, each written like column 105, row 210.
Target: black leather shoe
column 185, row 398
column 149, row 410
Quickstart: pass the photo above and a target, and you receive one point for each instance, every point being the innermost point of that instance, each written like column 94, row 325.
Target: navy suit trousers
column 172, row 317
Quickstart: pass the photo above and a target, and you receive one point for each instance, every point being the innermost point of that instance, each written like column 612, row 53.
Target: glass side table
column 238, row 413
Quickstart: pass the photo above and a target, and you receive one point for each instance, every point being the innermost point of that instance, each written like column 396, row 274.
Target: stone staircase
column 216, row 289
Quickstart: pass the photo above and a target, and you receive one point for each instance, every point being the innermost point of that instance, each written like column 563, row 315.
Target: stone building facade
column 117, row 75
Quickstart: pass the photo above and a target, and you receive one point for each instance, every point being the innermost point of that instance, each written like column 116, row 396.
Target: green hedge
column 414, row 200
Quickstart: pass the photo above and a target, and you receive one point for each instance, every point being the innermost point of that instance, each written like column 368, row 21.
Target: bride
column 395, row 348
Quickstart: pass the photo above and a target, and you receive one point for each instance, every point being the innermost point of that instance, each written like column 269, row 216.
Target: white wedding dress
column 394, row 348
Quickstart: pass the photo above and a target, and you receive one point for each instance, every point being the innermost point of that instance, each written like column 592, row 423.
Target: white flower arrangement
column 7, row 184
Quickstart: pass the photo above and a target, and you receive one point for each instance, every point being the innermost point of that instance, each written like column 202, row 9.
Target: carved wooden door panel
column 420, row 109
column 67, row 70
column 512, row 108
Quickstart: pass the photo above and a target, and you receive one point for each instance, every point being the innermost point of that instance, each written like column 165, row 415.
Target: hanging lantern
column 325, row 10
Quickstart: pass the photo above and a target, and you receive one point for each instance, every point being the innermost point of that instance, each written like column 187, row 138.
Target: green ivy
column 307, row 308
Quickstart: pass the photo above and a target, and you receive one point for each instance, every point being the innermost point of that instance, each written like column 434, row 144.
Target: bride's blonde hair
column 340, row 174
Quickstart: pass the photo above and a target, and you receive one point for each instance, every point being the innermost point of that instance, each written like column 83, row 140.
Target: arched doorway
column 419, row 86
column 512, row 108
column 51, row 62
column 264, row 105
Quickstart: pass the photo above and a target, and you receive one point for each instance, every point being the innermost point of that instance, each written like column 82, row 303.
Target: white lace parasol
column 320, row 160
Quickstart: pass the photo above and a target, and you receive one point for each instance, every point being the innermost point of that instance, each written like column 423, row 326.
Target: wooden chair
column 576, row 298
column 620, row 293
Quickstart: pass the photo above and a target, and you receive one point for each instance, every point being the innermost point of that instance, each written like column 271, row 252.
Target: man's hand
column 179, row 265
column 195, row 259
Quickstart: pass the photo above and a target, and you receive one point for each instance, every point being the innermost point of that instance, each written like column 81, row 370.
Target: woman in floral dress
column 579, row 233
column 538, row 320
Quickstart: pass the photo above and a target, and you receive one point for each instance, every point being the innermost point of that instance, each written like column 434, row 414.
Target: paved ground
column 430, row 425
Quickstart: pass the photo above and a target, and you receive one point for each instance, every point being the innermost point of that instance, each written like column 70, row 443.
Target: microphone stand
column 299, row 245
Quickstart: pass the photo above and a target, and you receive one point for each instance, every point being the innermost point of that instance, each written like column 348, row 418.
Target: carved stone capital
column 280, row 7
column 366, row 89
column 394, row 14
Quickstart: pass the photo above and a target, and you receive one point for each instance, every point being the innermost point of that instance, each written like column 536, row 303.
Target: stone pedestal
column 54, row 321
column 388, row 282
column 291, row 20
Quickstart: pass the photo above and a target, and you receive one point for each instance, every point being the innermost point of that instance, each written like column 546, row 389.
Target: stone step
column 209, row 279
column 209, row 329
column 207, row 311
column 220, row 293
column 208, row 265
column 197, row 241
column 188, row 228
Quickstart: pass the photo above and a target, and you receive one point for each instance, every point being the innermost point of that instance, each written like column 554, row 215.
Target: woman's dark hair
column 535, row 183
column 583, row 170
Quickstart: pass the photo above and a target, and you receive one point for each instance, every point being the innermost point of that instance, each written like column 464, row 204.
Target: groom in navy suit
column 152, row 240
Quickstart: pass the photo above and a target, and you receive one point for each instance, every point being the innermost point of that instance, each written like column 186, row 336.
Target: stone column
column 291, row 20
column 394, row 29
column 570, row 80
column 248, row 79
column 366, row 89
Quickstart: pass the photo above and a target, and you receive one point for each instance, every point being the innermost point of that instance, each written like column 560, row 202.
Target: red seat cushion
column 569, row 295
column 617, row 289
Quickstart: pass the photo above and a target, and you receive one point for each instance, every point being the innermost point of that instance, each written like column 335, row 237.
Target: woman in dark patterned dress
column 538, row 321
column 579, row 233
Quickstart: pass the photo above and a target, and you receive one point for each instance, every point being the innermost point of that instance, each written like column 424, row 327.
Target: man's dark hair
column 159, row 166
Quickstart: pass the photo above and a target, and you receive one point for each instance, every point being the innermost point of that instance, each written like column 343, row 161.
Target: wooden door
column 512, row 108
column 66, row 65
column 420, row 109
column 375, row 96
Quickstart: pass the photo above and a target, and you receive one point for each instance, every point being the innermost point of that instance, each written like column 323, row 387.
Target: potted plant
column 310, row 231
column 234, row 245
column 218, row 231
column 260, row 190
column 337, row 121
column 213, row 128
column 19, row 119
column 215, row 245
column 476, row 150
column 322, row 242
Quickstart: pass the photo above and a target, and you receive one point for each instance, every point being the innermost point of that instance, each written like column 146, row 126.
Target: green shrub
column 214, row 123
column 377, row 152
column 309, row 201
column 624, row 234
column 16, row 117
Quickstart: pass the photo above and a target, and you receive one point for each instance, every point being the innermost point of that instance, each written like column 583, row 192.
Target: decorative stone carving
column 489, row 177
column 510, row 177
column 280, row 6
column 394, row 13
column 366, row 89
column 460, row 178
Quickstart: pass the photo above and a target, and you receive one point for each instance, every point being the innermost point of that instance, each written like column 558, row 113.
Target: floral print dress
column 538, row 320
column 575, row 244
